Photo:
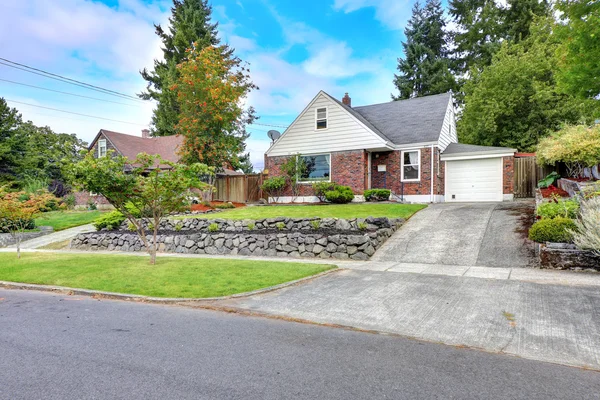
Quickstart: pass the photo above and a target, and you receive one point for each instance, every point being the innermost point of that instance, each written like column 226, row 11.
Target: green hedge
column 377, row 194
column 321, row 189
column 559, row 230
column 110, row 221
column 341, row 195
column 562, row 208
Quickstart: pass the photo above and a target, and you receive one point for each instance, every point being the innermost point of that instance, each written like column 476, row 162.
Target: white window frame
column 318, row 180
column 402, row 165
column 326, row 119
column 102, row 143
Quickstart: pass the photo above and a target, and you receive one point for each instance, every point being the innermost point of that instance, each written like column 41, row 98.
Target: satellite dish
column 274, row 135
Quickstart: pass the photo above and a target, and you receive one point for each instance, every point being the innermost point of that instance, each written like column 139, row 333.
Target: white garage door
column 474, row 180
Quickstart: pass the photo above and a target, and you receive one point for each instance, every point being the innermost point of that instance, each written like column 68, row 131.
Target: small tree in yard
column 577, row 146
column 152, row 191
column 293, row 169
column 17, row 211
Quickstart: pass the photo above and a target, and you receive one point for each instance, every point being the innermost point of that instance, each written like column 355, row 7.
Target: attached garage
column 477, row 173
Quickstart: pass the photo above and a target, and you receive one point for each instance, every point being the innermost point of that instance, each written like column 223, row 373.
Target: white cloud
column 392, row 13
column 335, row 60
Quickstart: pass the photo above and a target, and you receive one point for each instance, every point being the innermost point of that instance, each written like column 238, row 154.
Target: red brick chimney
column 347, row 100
column 145, row 133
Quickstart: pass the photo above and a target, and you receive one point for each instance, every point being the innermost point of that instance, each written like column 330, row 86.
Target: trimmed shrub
column 321, row 188
column 559, row 230
column 587, row 236
column 224, row 206
column 561, row 208
column 110, row 221
column 377, row 194
column 340, row 195
column 274, row 187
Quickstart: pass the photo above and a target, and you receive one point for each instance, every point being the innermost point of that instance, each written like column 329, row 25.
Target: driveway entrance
column 466, row 234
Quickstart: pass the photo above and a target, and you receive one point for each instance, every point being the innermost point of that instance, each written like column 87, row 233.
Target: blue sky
column 294, row 49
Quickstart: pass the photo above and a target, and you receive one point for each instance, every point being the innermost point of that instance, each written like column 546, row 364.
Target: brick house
column 130, row 146
column 408, row 146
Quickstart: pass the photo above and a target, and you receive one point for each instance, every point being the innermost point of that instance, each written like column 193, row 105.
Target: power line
column 274, row 126
column 67, row 93
column 74, row 113
column 63, row 79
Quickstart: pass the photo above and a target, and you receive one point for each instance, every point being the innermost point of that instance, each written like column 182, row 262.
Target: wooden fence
column 238, row 188
column 527, row 175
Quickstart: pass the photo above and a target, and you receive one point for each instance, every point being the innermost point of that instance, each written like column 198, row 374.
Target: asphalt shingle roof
column 415, row 120
column 460, row 148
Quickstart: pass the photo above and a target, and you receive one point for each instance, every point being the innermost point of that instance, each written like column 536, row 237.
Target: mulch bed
column 203, row 208
column 552, row 190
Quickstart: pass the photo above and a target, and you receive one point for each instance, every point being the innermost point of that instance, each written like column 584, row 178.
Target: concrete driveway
column 466, row 234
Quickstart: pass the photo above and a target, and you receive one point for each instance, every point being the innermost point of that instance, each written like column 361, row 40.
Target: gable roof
column 130, row 146
column 417, row 120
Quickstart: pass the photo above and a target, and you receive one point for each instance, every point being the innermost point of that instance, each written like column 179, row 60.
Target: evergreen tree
column 13, row 147
column 424, row 70
column 190, row 26
column 482, row 25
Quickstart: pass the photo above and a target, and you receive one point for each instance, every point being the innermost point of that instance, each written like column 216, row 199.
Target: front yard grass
column 60, row 220
column 346, row 211
column 170, row 277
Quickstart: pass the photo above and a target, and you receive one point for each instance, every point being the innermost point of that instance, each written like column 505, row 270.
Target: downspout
column 431, row 175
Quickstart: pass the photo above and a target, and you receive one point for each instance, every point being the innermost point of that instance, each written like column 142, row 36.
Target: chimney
column 347, row 100
column 145, row 133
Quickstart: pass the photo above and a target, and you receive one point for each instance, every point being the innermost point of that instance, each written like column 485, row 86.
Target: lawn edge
column 150, row 299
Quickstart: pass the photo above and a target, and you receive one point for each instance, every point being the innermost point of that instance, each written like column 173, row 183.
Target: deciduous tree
column 155, row 187
column 211, row 90
column 17, row 211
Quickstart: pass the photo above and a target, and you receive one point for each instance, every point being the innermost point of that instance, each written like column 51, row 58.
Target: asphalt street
column 67, row 347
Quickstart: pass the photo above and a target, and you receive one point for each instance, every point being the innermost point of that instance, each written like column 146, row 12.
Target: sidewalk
column 55, row 237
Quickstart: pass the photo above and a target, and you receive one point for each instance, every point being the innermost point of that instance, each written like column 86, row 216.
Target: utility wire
column 74, row 113
column 63, row 79
column 274, row 126
column 67, row 93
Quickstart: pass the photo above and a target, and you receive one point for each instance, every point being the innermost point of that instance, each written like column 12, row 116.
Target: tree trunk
column 18, row 246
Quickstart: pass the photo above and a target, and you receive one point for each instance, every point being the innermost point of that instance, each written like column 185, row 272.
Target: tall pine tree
column 424, row 70
column 190, row 23
column 482, row 26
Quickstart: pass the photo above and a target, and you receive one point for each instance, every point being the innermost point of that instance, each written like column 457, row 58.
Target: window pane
column 321, row 113
column 411, row 158
column 317, row 168
column 411, row 172
column 322, row 124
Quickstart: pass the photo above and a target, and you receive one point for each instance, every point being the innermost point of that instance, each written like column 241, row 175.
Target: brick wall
column 391, row 178
column 348, row 168
column 508, row 174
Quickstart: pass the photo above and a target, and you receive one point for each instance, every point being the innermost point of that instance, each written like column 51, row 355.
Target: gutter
column 431, row 174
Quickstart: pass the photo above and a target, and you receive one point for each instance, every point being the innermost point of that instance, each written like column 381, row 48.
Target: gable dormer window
column 321, row 118
column 101, row 148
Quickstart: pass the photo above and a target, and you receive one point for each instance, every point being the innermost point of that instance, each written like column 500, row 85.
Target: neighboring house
column 408, row 146
column 130, row 146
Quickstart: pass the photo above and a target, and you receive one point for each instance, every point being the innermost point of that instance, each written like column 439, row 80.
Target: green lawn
column 60, row 220
column 346, row 211
column 170, row 277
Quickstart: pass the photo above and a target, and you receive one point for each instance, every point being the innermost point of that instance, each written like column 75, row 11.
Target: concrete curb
column 149, row 299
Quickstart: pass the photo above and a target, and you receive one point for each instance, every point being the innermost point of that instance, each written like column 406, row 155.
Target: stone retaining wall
column 237, row 239
column 567, row 256
column 289, row 224
column 6, row 239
